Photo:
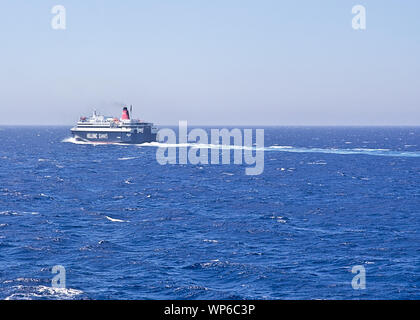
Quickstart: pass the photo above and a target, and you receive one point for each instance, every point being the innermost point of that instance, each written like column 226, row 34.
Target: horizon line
column 237, row 125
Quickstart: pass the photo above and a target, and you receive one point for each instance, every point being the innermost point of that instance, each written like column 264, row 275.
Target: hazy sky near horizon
column 239, row 62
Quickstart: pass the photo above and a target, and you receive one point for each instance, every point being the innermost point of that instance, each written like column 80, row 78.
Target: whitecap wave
column 210, row 240
column 43, row 292
column 127, row 158
column 114, row 220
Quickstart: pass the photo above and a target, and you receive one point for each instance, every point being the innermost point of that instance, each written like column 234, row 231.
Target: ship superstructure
column 101, row 129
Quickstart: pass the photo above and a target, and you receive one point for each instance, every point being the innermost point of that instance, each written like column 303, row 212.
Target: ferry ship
column 100, row 129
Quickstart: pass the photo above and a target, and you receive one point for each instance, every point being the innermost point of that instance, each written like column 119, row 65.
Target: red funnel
column 125, row 114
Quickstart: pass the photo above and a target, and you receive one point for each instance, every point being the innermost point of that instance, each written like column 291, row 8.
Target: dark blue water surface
column 126, row 227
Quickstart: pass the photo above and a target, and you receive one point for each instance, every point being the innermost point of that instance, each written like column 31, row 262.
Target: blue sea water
column 126, row 227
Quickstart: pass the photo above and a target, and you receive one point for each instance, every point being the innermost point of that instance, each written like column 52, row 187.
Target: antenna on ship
column 131, row 111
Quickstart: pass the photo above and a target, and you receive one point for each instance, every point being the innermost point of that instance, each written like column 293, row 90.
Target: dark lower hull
column 115, row 137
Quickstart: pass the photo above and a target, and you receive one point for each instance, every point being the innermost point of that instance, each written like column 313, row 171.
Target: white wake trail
column 341, row 151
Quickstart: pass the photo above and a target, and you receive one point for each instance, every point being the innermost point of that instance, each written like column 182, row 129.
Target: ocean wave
column 114, row 220
column 210, row 241
column 9, row 213
column 127, row 158
column 43, row 292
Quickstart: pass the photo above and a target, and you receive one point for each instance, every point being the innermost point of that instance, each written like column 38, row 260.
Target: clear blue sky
column 240, row 62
